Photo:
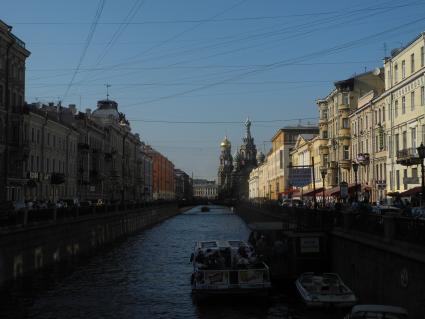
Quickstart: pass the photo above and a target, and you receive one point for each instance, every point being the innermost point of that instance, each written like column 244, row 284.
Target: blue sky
column 196, row 61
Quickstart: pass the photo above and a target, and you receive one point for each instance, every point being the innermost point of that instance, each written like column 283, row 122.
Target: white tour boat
column 324, row 290
column 228, row 267
column 377, row 311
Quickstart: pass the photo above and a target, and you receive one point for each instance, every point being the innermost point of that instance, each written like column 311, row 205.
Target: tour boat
column 324, row 290
column 377, row 311
column 228, row 267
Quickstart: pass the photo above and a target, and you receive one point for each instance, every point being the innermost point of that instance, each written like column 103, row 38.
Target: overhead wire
column 87, row 43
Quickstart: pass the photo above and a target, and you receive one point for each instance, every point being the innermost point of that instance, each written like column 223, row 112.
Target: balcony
column 408, row 157
column 411, row 180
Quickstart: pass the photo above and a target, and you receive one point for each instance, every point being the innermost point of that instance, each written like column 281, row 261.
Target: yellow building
column 307, row 152
column 404, row 122
column 334, row 123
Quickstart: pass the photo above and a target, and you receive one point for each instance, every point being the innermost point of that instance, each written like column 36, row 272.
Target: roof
column 379, row 308
column 217, row 244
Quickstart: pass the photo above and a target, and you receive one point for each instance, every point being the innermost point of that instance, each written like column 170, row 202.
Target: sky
column 186, row 73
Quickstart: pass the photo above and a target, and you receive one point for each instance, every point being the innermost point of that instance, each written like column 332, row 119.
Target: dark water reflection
column 147, row 276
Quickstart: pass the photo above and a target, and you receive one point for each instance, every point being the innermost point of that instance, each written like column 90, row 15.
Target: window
column 345, row 99
column 397, row 173
column 325, row 160
column 383, row 114
column 404, row 140
column 414, row 172
column 422, row 95
column 325, row 134
column 37, row 163
column 413, row 137
column 396, row 108
column 403, row 105
column 32, row 135
column 32, row 163
column 403, row 69
column 345, row 123
column 280, row 159
column 379, row 117
column 396, row 73
column 346, row 154
column 54, row 141
column 412, row 63
column 38, row 136
column 397, row 142
column 404, row 178
column 422, row 57
column 48, row 139
column 412, row 100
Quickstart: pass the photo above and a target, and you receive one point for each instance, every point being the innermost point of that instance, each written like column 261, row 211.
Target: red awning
column 411, row 192
column 312, row 192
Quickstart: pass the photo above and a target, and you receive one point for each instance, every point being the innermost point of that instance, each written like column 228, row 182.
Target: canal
column 148, row 276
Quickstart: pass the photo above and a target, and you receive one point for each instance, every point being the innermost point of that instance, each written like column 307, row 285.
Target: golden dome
column 225, row 143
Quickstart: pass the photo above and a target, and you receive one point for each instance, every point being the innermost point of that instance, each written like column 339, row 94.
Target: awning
column 411, row 192
column 393, row 194
column 312, row 192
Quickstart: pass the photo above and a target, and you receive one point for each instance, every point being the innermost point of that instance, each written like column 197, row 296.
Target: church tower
column 248, row 150
column 226, row 166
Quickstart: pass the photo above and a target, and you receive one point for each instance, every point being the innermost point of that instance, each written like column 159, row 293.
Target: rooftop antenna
column 107, row 91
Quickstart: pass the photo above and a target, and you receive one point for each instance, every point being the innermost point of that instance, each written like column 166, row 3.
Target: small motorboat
column 205, row 209
column 377, row 311
column 325, row 290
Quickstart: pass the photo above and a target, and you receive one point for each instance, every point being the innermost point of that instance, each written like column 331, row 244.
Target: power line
column 86, row 46
column 222, row 122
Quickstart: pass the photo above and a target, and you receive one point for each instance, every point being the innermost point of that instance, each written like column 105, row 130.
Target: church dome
column 225, row 143
column 106, row 108
column 260, row 157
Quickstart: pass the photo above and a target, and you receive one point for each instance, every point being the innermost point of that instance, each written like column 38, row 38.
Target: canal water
column 148, row 276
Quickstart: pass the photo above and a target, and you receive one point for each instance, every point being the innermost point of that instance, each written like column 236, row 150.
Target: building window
column 412, row 100
column 396, row 73
column 413, row 137
column 32, row 163
column 397, row 142
column 412, row 63
column 404, row 140
column 397, row 173
column 422, row 57
column 345, row 123
column 32, row 134
column 48, row 139
column 422, row 95
column 325, row 134
column 280, row 159
column 404, row 178
column 403, row 105
column 396, row 108
column 383, row 114
column 345, row 99
column 346, row 152
column 403, row 69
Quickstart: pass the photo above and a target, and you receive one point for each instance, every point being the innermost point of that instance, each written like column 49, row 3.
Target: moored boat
column 222, row 267
column 324, row 290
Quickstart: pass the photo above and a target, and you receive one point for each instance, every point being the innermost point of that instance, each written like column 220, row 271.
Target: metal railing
column 33, row 217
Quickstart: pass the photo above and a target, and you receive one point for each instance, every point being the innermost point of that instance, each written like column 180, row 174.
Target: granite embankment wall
column 26, row 249
column 382, row 258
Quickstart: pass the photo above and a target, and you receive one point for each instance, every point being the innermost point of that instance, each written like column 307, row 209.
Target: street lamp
column 421, row 153
column 355, row 169
column 323, row 171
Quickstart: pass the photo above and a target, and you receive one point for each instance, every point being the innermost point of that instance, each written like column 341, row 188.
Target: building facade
column 163, row 179
column 404, row 122
column 225, row 168
column 183, row 185
column 334, row 123
column 13, row 146
column 204, row 189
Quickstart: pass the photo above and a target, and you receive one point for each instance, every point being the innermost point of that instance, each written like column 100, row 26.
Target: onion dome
column 260, row 158
column 225, row 143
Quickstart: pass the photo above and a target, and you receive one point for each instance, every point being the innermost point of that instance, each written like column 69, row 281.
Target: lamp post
column 323, row 171
column 421, row 153
column 355, row 169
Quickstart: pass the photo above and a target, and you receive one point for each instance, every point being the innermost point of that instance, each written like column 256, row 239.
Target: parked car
column 377, row 311
column 292, row 203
